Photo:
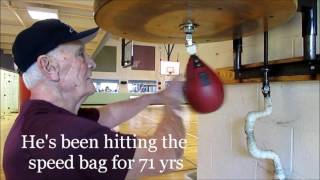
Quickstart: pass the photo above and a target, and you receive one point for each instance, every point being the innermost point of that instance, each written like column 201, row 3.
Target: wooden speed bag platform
column 158, row 21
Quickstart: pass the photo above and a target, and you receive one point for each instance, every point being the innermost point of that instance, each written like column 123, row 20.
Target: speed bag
column 203, row 88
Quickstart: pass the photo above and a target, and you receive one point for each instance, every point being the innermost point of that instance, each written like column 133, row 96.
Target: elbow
column 175, row 158
column 107, row 118
column 178, row 153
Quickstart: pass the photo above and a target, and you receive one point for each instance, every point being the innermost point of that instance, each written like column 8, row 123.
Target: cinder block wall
column 292, row 130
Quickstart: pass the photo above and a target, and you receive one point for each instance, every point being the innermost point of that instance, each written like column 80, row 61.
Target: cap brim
column 88, row 35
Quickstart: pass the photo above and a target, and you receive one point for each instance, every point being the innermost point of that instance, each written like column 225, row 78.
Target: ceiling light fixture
column 42, row 13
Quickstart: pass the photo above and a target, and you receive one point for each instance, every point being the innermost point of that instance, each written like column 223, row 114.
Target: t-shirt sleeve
column 89, row 113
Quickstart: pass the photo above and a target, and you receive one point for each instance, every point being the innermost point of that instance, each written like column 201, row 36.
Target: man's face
column 75, row 68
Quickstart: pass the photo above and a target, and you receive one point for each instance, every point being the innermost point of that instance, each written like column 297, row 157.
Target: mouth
column 89, row 77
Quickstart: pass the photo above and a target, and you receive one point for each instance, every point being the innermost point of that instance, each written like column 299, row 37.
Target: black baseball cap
column 42, row 37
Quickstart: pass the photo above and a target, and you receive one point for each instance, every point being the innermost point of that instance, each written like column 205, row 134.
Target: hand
column 173, row 94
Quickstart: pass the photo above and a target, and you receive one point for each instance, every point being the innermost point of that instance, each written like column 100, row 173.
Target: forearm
column 170, row 124
column 114, row 114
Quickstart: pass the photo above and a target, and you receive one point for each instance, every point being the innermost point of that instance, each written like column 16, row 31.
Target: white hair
column 32, row 76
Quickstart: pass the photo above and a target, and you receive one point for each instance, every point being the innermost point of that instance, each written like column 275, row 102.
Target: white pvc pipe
column 251, row 142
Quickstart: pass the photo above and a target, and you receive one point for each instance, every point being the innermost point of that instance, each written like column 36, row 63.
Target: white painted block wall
column 292, row 130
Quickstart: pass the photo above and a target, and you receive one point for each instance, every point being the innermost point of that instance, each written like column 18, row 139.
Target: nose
column 91, row 64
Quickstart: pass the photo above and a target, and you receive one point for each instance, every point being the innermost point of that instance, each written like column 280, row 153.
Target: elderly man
column 56, row 69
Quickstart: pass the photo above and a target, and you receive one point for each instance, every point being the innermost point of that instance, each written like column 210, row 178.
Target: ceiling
column 78, row 14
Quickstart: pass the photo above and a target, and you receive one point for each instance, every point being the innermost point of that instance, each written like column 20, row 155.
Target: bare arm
column 114, row 114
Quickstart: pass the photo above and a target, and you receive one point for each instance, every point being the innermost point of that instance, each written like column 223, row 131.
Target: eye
column 81, row 53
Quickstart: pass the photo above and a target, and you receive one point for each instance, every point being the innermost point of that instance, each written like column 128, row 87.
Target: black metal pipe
column 309, row 28
column 168, row 52
column 265, row 84
column 283, row 69
column 265, row 49
column 237, row 50
column 123, row 45
column 171, row 49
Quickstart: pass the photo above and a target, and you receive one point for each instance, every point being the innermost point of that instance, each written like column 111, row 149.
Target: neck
column 52, row 94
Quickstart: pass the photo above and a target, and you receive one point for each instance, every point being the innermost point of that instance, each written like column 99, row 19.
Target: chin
column 92, row 89
column 88, row 93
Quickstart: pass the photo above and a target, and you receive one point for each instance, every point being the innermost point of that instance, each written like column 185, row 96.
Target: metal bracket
column 310, row 65
column 169, row 50
column 265, row 84
column 188, row 28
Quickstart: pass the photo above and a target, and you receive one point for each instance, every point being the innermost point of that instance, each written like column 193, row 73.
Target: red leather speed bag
column 203, row 88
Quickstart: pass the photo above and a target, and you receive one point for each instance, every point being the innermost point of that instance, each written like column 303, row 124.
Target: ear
column 48, row 67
